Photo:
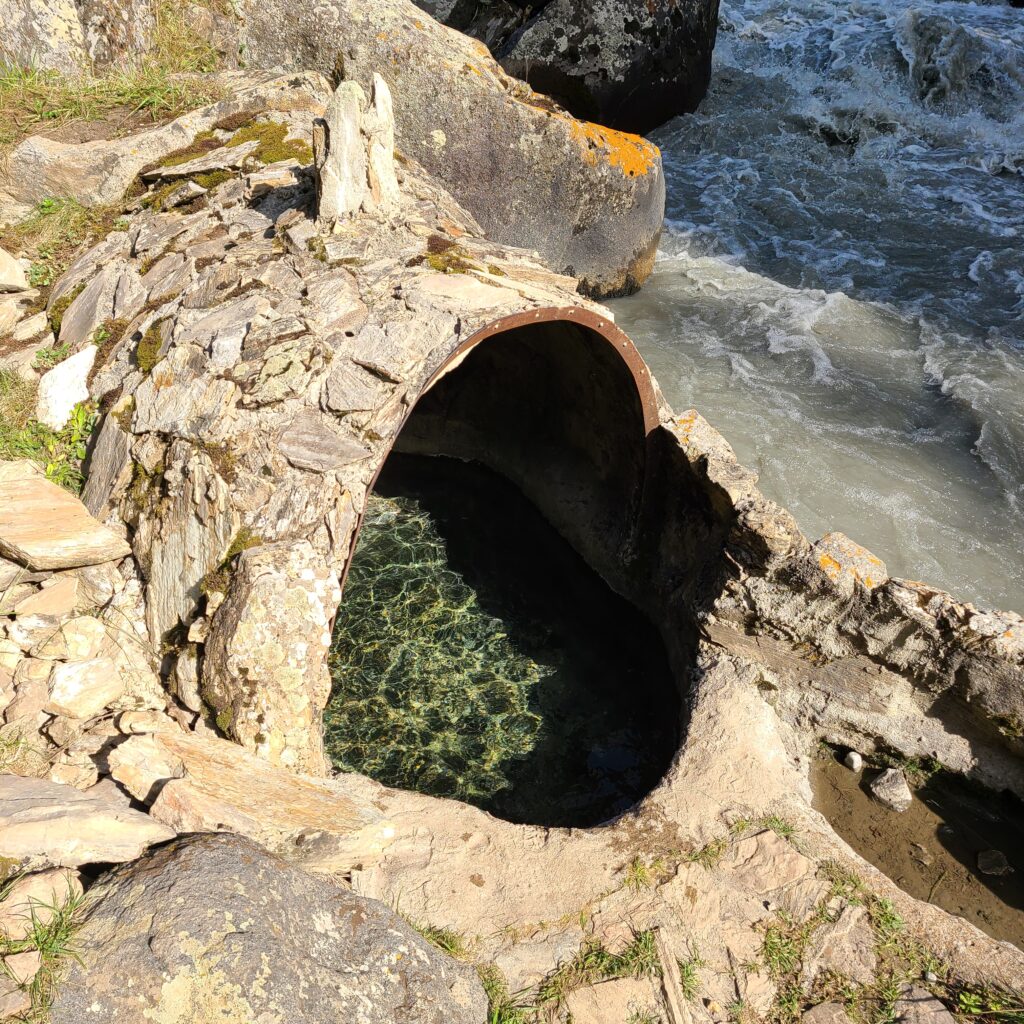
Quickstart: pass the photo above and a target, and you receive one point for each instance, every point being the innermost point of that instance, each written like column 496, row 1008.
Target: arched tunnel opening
column 501, row 639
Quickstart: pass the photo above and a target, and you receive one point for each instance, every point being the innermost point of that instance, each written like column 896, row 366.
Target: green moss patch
column 219, row 580
column 56, row 312
column 147, row 355
column 273, row 144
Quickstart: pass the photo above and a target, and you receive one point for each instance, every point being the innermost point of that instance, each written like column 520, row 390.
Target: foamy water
column 840, row 288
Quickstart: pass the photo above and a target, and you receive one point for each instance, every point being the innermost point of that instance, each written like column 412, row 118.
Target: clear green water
column 476, row 656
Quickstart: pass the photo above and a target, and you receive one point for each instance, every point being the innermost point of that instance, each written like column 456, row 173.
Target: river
column 840, row 284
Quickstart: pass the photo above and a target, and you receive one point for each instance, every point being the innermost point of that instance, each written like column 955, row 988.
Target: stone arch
column 560, row 402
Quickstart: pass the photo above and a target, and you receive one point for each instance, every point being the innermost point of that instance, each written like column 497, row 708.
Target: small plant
column 643, row 1017
column 52, row 935
column 779, row 826
column 593, row 963
column 48, row 358
column 708, row 855
column 502, row 1007
column 688, row 976
column 59, row 452
column 640, row 875
column 272, row 142
column 445, row 939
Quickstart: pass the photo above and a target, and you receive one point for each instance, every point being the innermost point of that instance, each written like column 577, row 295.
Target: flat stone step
column 42, row 526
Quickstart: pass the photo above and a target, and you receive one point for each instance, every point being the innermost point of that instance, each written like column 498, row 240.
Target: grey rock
column 12, row 275
column 314, row 441
column 115, row 28
column 916, row 1005
column 217, row 922
column 890, row 788
column 845, row 946
column 222, row 159
column 44, row 35
column 826, row 1013
column 624, row 64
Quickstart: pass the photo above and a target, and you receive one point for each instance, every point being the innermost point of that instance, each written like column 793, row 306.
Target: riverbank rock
column 206, row 784
column 214, row 926
column 622, row 63
column 589, row 199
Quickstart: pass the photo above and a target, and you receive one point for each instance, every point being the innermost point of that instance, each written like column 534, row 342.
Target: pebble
column 853, row 761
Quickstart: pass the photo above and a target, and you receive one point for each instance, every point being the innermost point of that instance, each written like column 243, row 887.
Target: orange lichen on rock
column 630, row 154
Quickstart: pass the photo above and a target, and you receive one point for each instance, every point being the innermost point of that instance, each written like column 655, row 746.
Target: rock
column 314, row 441
column 204, row 784
column 78, row 639
column 42, row 526
column 916, row 1005
column 853, row 761
column 216, row 925
column 265, row 669
column 766, row 862
column 43, row 824
column 589, row 199
column 826, row 1013
column 83, row 689
column 44, row 35
column 99, row 172
column 354, row 153
column 994, row 862
column 624, row 64
column 63, row 387
column 56, row 601
column 14, row 1000
column 12, row 275
column 847, row 564
column 612, row 1002
column 845, row 946
column 36, row 895
column 890, row 788
column 31, row 695
column 224, row 158
column 115, row 28
column 21, row 968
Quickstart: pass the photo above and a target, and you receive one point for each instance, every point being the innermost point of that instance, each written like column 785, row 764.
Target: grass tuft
column 59, row 452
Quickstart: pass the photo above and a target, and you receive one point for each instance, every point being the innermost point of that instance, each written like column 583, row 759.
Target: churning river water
column 840, row 286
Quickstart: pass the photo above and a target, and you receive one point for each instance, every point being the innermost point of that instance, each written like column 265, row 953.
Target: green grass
column 640, row 875
column 594, row 963
column 53, row 234
column 502, row 1006
column 688, row 976
column 59, row 452
column 709, row 854
column 445, row 939
column 53, row 935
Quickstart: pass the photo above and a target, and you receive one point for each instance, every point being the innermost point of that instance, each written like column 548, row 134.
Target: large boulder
column 589, row 199
column 628, row 64
column 214, row 928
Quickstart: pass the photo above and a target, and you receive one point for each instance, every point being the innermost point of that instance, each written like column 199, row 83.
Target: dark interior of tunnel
column 535, row 465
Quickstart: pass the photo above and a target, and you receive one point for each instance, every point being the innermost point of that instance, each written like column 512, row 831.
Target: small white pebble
column 853, row 761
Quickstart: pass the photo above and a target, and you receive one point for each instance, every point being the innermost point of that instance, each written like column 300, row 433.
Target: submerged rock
column 214, row 927
column 891, row 789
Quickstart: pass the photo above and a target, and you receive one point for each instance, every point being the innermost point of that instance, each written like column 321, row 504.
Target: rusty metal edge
column 601, row 326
